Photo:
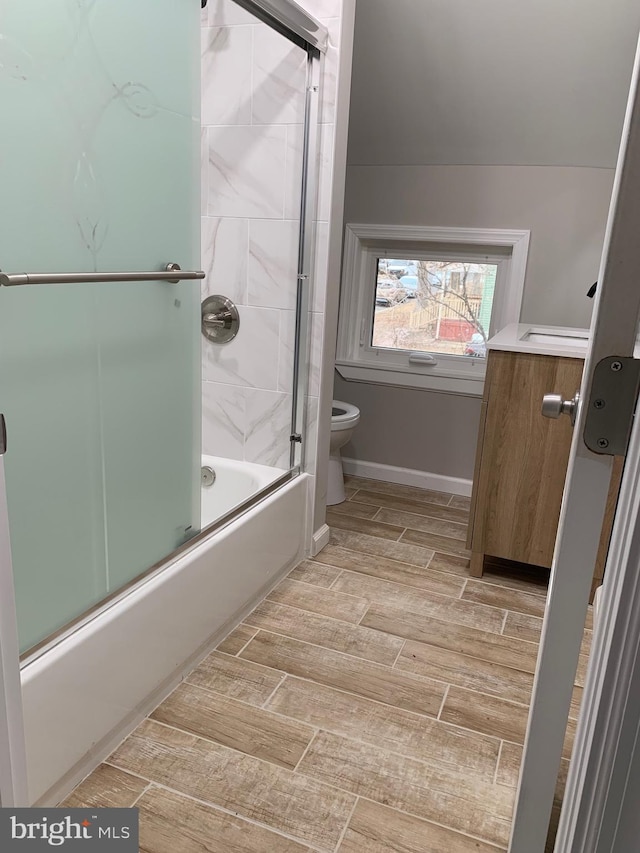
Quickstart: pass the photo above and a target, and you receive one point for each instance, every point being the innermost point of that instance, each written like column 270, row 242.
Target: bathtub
column 235, row 482
column 85, row 694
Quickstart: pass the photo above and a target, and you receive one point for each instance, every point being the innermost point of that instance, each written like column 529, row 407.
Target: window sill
column 444, row 383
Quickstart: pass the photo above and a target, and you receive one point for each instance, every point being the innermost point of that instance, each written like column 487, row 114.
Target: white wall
column 564, row 208
column 497, row 82
column 410, row 428
column 497, row 115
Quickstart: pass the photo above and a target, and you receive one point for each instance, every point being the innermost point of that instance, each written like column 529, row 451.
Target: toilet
column 344, row 419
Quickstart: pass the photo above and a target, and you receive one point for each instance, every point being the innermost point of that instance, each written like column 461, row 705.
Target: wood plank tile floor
column 375, row 701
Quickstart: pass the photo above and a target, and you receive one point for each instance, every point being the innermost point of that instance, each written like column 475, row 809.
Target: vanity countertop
column 542, row 340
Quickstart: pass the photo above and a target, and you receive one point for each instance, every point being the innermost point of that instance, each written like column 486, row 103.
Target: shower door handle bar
column 171, row 273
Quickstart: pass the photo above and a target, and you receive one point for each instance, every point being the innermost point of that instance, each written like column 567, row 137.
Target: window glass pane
column 433, row 306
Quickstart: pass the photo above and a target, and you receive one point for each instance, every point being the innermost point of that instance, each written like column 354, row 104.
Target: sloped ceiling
column 501, row 82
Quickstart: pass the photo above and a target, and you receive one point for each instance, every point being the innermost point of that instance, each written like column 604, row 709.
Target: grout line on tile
column 273, row 692
column 212, row 692
column 363, row 616
column 400, row 650
column 110, row 763
column 464, row 586
column 346, row 826
column 441, row 549
column 239, row 650
column 337, row 577
column 306, row 750
column 311, row 585
column 139, row 797
column 353, row 550
column 231, row 657
column 425, row 515
column 388, row 666
column 444, row 699
column 354, row 570
column 293, row 607
column 495, row 775
column 489, row 585
column 316, row 588
column 504, row 624
column 438, row 521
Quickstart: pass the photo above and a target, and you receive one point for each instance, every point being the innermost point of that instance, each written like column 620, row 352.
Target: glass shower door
column 99, row 383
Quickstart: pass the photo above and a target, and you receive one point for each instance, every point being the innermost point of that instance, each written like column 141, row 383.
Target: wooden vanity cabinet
column 521, row 461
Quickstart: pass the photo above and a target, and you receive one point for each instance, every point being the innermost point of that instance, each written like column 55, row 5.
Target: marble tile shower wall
column 253, row 84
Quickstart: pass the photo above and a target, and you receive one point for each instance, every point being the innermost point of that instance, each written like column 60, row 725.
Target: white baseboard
column 320, row 539
column 407, row 477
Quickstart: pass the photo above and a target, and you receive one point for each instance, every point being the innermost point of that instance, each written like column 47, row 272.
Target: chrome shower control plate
column 220, row 319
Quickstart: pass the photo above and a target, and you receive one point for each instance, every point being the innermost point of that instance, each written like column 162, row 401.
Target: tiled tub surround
column 376, row 700
column 253, row 90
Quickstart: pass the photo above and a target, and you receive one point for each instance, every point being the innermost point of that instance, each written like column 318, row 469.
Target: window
column 419, row 304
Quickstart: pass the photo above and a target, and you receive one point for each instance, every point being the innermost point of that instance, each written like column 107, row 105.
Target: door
column 609, row 363
column 13, row 777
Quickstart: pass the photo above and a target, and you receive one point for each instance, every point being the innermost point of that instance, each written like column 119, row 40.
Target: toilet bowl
column 344, row 419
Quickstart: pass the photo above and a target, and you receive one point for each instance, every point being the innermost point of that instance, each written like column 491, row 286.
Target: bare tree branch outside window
column 434, row 288
column 434, row 306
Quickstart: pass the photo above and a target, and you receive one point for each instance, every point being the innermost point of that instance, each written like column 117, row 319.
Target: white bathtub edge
column 85, row 696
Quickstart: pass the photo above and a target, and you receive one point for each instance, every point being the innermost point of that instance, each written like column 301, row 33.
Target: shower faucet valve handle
column 220, row 319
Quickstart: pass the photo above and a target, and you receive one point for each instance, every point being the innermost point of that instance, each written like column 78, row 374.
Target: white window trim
column 453, row 376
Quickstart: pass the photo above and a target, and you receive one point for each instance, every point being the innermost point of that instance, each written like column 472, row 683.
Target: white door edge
column 608, row 724
column 613, row 333
column 13, row 762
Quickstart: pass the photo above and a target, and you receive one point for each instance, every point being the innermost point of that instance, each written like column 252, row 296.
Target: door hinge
column 3, row 436
column 296, row 437
column 612, row 404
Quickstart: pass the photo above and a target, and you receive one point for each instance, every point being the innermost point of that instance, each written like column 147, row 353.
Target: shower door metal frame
column 308, row 209
column 299, row 27
column 302, row 29
column 291, row 20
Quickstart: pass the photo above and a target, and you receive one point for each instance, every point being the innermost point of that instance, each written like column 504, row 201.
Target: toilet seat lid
column 343, row 413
